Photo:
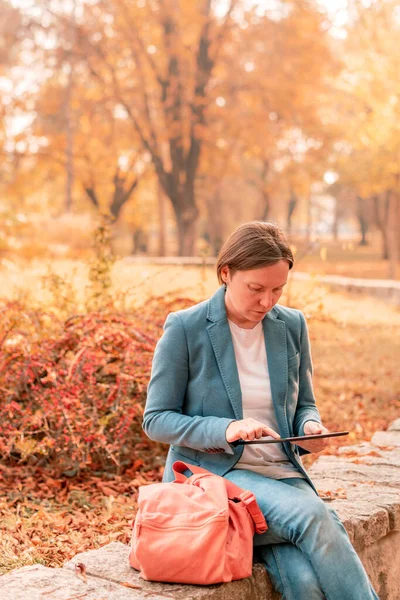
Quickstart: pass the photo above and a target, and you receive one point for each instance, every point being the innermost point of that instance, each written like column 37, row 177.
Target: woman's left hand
column 311, row 428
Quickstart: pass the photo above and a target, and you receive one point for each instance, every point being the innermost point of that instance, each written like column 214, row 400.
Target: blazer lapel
column 221, row 341
column 275, row 341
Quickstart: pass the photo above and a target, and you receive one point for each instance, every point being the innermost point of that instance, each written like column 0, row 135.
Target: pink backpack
column 197, row 529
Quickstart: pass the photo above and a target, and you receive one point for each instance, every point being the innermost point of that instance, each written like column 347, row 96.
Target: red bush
column 72, row 394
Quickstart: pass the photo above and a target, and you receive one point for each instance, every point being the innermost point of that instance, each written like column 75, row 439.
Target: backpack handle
column 233, row 490
column 179, row 466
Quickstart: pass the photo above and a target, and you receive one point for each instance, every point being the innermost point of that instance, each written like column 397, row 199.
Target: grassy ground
column 357, row 383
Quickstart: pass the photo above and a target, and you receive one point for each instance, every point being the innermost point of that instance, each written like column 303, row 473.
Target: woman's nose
column 266, row 300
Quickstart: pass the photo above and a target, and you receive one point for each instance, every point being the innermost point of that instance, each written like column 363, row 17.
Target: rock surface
column 37, row 582
column 362, row 485
column 111, row 562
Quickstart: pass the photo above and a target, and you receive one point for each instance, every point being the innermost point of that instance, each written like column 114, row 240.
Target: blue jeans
column 306, row 549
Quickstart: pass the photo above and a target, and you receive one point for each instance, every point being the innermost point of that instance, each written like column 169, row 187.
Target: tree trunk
column 69, row 143
column 162, row 238
column 215, row 225
column 266, row 205
column 393, row 232
column 139, row 241
column 265, row 197
column 122, row 192
column 309, row 218
column 186, row 214
column 336, row 221
column 69, row 124
column 291, row 208
column 381, row 205
column 186, row 234
column 362, row 220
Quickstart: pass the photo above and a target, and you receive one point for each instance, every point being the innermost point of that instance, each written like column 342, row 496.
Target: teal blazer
column 194, row 391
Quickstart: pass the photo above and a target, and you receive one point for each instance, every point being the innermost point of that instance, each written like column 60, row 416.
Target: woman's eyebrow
column 263, row 286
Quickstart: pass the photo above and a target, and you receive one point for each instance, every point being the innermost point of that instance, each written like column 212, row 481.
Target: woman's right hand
column 248, row 429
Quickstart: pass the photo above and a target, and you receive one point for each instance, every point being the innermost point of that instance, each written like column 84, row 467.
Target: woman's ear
column 225, row 274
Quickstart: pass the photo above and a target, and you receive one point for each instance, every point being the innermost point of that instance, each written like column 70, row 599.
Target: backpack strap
column 234, row 491
column 179, row 467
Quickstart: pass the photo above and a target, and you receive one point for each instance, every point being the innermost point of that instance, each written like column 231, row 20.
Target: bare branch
column 91, row 193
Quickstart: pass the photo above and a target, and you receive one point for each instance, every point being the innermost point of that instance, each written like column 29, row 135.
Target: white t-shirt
column 251, row 359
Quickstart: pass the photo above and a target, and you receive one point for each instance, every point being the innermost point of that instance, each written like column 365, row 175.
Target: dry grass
column 133, row 282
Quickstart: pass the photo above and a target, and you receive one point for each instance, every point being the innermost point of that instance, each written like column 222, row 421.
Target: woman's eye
column 255, row 289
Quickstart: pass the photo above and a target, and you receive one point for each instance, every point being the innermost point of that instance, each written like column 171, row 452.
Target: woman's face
column 250, row 295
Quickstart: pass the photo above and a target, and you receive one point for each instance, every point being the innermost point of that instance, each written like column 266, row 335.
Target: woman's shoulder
column 212, row 309
column 291, row 316
column 191, row 315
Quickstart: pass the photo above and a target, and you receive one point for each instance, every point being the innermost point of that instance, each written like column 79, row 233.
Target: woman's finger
column 271, row 432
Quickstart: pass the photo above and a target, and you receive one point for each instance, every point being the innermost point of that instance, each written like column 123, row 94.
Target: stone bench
column 364, row 484
column 386, row 289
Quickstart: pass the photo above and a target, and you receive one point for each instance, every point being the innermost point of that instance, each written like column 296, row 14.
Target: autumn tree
column 157, row 59
column 268, row 119
column 198, row 90
column 367, row 156
column 10, row 47
column 107, row 163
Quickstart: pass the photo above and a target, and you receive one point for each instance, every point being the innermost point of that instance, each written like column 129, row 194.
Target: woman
column 238, row 366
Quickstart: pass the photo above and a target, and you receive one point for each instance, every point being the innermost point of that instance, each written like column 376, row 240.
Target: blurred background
column 181, row 119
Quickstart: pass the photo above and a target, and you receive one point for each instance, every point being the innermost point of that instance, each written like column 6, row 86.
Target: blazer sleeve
column 164, row 419
column 306, row 406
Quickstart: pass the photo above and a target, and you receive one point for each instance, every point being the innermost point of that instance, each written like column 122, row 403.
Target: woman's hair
column 253, row 245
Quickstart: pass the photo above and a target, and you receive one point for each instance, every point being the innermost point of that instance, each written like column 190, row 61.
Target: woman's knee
column 316, row 511
column 317, row 523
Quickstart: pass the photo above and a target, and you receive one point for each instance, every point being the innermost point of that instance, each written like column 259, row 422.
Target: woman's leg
column 290, row 571
column 295, row 515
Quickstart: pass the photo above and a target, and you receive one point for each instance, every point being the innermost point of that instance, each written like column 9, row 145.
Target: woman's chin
column 258, row 315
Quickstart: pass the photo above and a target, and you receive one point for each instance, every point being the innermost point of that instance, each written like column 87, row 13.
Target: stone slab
column 382, row 563
column 366, row 449
column 37, row 582
column 395, row 426
column 365, row 470
column 368, row 512
column 111, row 563
column 386, row 438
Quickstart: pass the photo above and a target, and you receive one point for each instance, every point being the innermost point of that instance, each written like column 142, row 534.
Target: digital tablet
column 292, row 439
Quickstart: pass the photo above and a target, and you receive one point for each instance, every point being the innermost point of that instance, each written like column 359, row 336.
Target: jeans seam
column 284, row 581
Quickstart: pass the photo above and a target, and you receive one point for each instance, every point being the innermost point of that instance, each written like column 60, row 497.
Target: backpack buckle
column 254, row 511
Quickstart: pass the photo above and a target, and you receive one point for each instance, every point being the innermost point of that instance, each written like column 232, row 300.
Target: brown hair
column 253, row 245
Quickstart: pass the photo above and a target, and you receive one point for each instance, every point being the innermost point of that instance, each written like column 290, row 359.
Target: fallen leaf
column 80, row 571
column 131, row 585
